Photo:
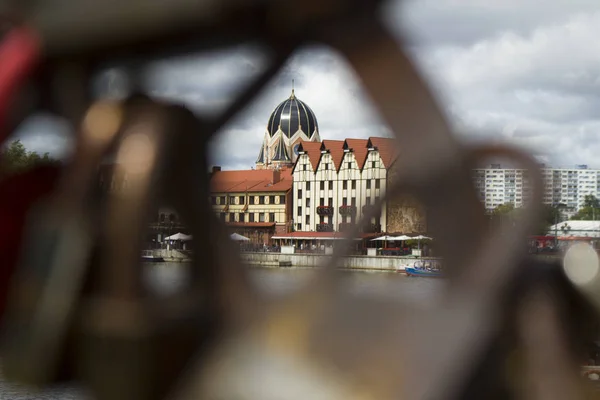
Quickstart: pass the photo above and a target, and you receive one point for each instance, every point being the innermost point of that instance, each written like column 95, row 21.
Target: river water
column 166, row 278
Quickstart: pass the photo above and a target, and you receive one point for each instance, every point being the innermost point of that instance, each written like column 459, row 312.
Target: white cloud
column 522, row 71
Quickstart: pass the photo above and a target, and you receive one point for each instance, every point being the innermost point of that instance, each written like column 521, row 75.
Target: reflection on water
column 166, row 278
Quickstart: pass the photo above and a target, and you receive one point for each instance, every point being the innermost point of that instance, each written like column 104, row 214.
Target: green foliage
column 15, row 158
column 503, row 209
column 590, row 210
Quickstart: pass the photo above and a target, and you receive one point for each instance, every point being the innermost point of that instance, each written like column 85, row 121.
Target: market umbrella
column 179, row 236
column 238, row 238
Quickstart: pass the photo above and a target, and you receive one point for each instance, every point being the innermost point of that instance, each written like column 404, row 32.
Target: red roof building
column 253, row 203
column 336, row 182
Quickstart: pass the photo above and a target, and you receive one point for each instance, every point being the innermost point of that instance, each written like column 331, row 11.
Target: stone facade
column 405, row 214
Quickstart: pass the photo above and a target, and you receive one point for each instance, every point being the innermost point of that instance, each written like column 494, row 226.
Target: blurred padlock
column 60, row 237
column 134, row 346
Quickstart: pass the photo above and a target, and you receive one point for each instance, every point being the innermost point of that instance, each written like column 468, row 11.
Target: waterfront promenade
column 353, row 262
column 277, row 259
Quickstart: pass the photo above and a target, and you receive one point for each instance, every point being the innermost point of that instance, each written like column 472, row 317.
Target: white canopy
column 576, row 228
column 421, row 237
column 238, row 237
column 179, row 236
column 401, row 237
column 382, row 238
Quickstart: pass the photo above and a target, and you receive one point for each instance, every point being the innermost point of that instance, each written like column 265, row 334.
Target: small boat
column 424, row 270
column 410, row 271
column 148, row 256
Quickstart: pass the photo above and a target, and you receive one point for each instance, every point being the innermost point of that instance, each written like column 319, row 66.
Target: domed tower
column 291, row 121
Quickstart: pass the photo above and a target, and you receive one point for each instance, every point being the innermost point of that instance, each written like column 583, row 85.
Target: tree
column 550, row 215
column 590, row 210
column 503, row 209
column 15, row 158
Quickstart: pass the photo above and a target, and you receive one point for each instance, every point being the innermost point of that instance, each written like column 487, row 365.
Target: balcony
column 324, row 227
column 325, row 210
column 346, row 226
column 347, row 210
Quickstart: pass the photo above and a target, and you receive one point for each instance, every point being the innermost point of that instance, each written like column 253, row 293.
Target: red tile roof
column 261, row 180
column 359, row 148
column 309, row 235
column 313, row 150
column 388, row 149
column 321, row 235
column 336, row 149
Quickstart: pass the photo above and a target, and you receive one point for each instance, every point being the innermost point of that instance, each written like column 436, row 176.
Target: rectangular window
column 282, row 199
column 251, row 215
column 326, row 166
column 271, row 217
column 271, row 199
column 261, row 217
column 299, row 193
column 321, row 201
column 231, row 217
column 322, row 185
column 222, row 200
column 261, row 199
column 251, row 200
column 321, row 219
column 344, row 201
column 369, row 184
column 349, row 164
column 308, row 220
column 241, row 217
column 213, row 200
column 353, row 201
column 299, row 227
column 241, row 200
column 231, row 199
column 353, row 183
column 330, row 185
column 373, row 163
column 330, row 204
column 345, row 185
column 308, row 202
column 368, row 201
column 299, row 210
column 377, row 183
column 304, row 168
column 307, row 186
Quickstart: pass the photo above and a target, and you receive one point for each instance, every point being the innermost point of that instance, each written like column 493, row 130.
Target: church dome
column 292, row 115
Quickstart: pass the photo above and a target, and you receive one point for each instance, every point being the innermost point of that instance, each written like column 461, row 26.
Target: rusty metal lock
column 133, row 345
column 55, row 261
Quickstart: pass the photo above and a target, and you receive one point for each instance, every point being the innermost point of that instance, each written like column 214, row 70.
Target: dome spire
column 293, row 96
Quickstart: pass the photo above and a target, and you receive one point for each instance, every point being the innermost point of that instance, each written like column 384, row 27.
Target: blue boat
column 410, row 271
column 424, row 270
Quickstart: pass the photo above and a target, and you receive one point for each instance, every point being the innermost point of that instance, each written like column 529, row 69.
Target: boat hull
column 152, row 259
column 424, row 273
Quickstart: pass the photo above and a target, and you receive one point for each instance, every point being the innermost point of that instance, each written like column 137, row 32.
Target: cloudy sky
column 522, row 71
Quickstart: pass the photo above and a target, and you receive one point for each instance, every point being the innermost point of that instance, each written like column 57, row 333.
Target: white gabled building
column 334, row 180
